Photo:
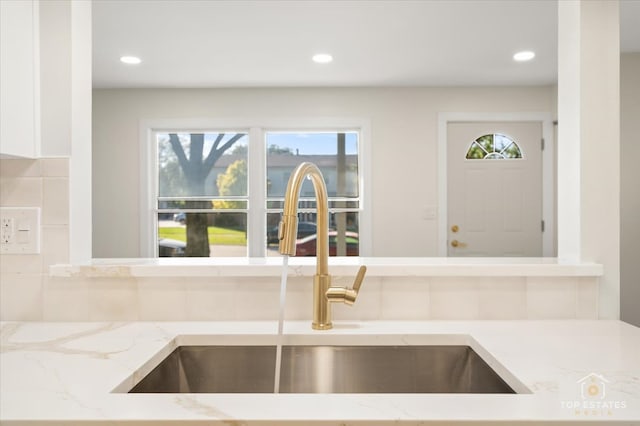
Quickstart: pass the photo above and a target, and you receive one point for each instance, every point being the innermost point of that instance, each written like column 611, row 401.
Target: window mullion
column 149, row 200
column 256, row 214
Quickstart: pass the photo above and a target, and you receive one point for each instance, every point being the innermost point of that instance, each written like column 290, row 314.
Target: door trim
column 548, row 176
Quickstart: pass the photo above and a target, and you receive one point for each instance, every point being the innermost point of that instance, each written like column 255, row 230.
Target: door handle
column 456, row 243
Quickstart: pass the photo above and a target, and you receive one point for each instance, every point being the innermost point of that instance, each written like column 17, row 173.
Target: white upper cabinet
column 19, row 79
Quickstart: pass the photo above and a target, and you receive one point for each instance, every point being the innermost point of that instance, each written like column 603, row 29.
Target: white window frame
column 257, row 129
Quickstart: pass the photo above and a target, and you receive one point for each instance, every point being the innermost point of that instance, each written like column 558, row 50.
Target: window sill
column 376, row 267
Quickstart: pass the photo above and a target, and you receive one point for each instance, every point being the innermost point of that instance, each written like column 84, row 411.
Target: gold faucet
column 323, row 292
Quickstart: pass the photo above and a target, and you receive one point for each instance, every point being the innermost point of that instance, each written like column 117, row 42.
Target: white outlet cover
column 20, row 230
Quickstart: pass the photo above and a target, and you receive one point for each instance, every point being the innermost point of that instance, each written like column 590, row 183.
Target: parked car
column 307, row 246
column 171, row 248
column 304, row 229
column 180, row 217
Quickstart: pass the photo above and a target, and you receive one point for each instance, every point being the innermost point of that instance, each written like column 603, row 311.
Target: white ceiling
column 266, row 43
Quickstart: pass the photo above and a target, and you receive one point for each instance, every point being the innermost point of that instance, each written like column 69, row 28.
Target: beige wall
column 403, row 148
column 630, row 188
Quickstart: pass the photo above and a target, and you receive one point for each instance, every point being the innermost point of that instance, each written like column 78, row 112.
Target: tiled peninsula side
column 394, row 289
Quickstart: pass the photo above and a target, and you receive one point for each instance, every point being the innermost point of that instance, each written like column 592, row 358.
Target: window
column 493, row 147
column 202, row 199
column 221, row 193
column 336, row 155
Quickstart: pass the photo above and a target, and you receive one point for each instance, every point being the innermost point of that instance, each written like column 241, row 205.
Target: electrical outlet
column 6, row 231
column 19, row 230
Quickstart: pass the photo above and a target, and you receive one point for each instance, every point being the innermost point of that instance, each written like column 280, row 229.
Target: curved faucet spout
column 323, row 293
column 289, row 225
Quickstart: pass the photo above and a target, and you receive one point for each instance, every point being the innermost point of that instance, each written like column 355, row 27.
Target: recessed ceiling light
column 131, row 60
column 322, row 58
column 525, row 55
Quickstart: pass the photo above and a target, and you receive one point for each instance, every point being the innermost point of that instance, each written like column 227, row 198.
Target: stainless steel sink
column 323, row 369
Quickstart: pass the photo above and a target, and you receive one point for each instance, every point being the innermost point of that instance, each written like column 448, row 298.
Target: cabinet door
column 19, row 78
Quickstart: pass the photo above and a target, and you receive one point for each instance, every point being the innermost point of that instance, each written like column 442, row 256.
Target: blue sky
column 313, row 143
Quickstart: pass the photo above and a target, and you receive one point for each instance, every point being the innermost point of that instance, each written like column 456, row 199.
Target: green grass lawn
column 221, row 236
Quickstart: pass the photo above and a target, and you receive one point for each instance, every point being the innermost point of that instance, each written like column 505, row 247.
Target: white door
column 494, row 189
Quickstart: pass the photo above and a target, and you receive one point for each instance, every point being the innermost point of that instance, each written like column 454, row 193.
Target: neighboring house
column 280, row 168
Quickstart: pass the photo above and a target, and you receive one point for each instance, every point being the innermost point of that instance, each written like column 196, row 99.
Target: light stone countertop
column 301, row 266
column 67, row 372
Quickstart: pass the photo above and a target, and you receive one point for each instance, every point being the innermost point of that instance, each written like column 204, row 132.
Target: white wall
column 403, row 148
column 589, row 141
column 80, row 221
column 55, row 78
column 630, row 187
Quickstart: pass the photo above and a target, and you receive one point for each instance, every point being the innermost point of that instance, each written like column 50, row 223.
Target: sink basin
column 323, row 369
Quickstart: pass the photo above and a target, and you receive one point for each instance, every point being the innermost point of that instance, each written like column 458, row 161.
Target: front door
column 494, row 189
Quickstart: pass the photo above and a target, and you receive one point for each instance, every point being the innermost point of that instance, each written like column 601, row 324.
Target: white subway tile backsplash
column 551, row 297
column 161, row 299
column 210, row 299
column 113, row 299
column 55, row 201
column 22, row 185
column 20, row 168
column 237, row 298
column 405, row 298
column 20, row 263
column 21, row 192
column 299, row 298
column 257, row 299
column 55, row 245
column 21, row 297
column 587, row 298
column 502, row 297
column 55, row 167
column 454, row 298
column 66, row 299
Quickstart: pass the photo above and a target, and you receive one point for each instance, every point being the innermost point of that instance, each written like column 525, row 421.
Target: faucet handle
column 347, row 295
column 359, row 278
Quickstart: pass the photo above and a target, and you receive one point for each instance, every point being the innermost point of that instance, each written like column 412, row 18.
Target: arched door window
column 495, row 146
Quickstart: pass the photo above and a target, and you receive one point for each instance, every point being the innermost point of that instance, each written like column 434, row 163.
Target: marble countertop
column 71, row 373
column 305, row 266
